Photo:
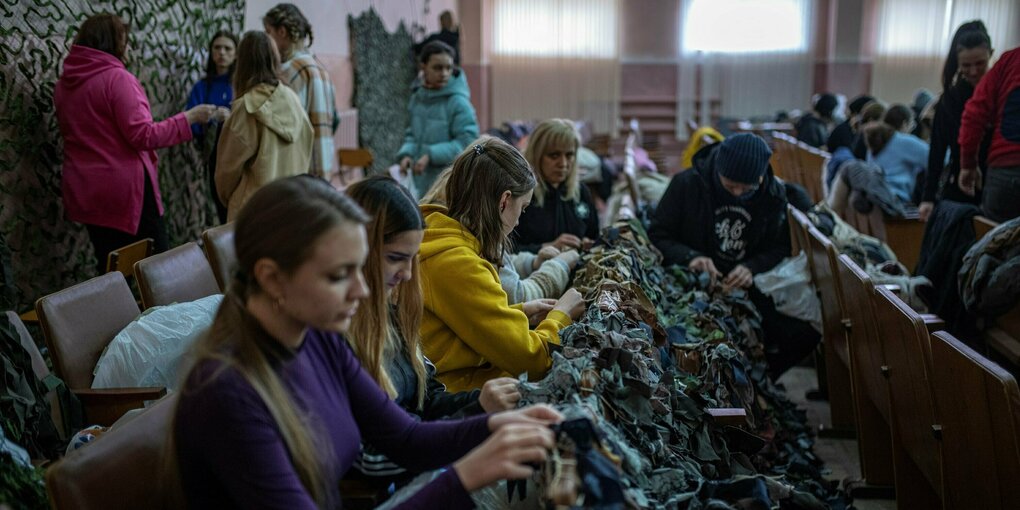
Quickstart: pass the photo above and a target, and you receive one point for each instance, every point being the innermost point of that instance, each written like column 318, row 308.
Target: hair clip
column 479, row 149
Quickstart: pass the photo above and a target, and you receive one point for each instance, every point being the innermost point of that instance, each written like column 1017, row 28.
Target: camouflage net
column 383, row 71
column 654, row 349
column 41, row 251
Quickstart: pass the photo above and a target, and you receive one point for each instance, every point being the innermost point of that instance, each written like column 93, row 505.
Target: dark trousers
column 221, row 208
column 105, row 239
column 1001, row 198
column 788, row 340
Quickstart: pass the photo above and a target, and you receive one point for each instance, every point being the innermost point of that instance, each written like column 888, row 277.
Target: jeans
column 1001, row 198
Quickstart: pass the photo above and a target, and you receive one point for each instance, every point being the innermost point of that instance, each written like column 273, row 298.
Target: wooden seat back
column 980, row 404
column 123, row 259
column 812, row 170
column 835, row 347
column 868, row 373
column 177, row 276
column 917, row 455
column 983, row 225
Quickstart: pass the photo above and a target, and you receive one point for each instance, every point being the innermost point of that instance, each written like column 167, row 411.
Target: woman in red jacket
column 109, row 178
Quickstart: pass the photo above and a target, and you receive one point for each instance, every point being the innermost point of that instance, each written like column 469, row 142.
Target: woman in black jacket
column 966, row 63
column 562, row 212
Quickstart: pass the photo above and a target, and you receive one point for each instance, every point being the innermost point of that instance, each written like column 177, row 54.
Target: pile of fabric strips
column 634, row 377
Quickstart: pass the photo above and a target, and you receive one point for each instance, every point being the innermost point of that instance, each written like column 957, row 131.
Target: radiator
column 346, row 136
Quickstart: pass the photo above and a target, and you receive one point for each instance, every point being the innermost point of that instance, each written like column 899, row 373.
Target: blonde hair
column 436, row 195
column 374, row 330
column 549, row 135
column 480, row 175
column 265, row 229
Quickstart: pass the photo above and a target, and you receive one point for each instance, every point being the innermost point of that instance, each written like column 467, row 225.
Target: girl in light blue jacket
column 443, row 121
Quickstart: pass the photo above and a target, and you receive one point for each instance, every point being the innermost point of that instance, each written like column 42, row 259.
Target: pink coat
column 109, row 140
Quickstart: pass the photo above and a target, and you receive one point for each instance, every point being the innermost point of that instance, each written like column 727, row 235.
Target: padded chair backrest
column 122, row 469
column 908, row 354
column 868, row 348
column 123, row 259
column 79, row 322
column 980, row 404
column 828, row 285
column 177, row 276
column 218, row 244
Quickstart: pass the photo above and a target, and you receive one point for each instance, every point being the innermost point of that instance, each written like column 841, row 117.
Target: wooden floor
column 840, row 455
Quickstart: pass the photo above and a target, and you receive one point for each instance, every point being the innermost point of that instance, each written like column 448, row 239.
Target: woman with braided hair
column 308, row 77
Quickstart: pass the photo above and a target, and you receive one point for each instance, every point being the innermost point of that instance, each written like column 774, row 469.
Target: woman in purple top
column 276, row 404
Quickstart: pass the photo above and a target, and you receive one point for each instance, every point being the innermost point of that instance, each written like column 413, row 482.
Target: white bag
column 148, row 351
column 406, row 180
column 789, row 285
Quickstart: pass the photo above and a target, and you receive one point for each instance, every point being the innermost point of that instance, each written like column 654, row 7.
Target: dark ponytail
column 971, row 34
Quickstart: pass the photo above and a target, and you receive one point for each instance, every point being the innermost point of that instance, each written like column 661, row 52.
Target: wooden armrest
column 105, row 406
column 735, row 416
column 1004, row 344
column 359, row 493
column 933, row 322
column 891, row 287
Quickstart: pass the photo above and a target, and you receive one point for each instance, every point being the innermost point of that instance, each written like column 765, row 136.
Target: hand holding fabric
column 499, row 395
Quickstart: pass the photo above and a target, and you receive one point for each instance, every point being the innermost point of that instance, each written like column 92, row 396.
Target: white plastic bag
column 148, row 351
column 406, row 180
column 789, row 285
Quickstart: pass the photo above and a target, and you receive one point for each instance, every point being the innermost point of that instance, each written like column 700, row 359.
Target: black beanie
column 743, row 158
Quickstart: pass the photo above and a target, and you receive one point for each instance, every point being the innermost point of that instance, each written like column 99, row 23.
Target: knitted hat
column 743, row 158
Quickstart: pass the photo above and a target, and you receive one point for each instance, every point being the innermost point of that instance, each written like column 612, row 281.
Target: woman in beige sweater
column 268, row 134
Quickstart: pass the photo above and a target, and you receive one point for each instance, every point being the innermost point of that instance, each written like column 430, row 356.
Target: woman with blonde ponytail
column 384, row 332
column 274, row 409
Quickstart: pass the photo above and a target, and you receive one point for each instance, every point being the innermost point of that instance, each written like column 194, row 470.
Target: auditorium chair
column 916, row 429
column 123, row 259
column 797, row 220
column 78, row 323
column 836, row 349
column 980, row 417
column 179, row 275
column 869, row 373
column 122, row 469
column 218, row 245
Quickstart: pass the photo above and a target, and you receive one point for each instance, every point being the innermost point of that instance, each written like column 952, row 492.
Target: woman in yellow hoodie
column 468, row 329
column 268, row 134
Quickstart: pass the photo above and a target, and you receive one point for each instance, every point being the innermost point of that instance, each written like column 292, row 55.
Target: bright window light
column 555, row 28
column 745, row 26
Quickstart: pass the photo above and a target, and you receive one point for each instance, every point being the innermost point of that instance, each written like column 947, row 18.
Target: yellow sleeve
column 467, row 297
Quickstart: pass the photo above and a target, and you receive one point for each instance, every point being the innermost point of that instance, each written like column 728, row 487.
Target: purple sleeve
column 418, row 446
column 225, row 429
column 446, row 490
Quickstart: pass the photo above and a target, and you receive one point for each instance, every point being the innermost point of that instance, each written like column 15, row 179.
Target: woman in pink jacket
column 109, row 178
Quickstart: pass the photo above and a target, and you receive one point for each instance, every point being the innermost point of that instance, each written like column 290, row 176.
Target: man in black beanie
column 726, row 216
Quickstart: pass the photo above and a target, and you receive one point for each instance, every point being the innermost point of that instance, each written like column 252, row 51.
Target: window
column 555, row 28
column 745, row 26
column 924, row 28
